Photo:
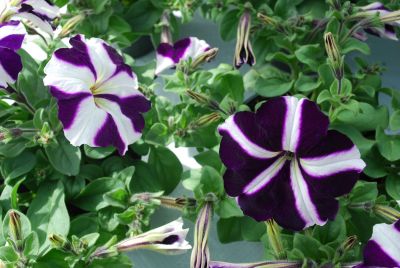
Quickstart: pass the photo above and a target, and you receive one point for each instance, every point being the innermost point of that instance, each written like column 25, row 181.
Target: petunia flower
column 38, row 12
column 12, row 35
column 265, row 264
column 388, row 29
column 97, row 93
column 383, row 249
column 283, row 163
column 167, row 239
column 168, row 56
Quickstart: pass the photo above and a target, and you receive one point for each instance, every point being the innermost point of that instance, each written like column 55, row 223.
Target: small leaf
column 64, row 157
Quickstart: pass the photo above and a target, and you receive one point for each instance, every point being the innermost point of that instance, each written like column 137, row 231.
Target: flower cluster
column 283, row 163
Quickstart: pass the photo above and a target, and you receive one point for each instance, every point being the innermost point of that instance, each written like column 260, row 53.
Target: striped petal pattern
column 12, row 35
column 383, row 250
column 168, row 56
column 283, row 163
column 97, row 93
column 40, row 13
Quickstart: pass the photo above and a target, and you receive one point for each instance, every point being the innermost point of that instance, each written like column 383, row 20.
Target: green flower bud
column 334, row 57
column 386, row 212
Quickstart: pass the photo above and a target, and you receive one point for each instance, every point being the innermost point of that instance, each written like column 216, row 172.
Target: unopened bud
column 390, row 17
column 207, row 119
column 59, row 242
column 386, row 212
column 179, row 203
column 147, row 197
column 275, row 240
column 70, row 25
column 207, row 56
column 244, row 51
column 166, row 36
column 200, row 98
column 267, row 20
column 200, row 257
column 15, row 226
column 334, row 56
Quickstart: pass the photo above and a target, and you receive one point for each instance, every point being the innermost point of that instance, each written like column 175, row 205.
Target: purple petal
column 109, row 135
column 12, row 35
column 11, row 66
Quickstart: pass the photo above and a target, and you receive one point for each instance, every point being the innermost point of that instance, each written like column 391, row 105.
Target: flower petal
column 383, row 250
column 43, row 8
column 243, row 130
column 10, row 66
column 332, row 167
column 170, row 55
column 12, row 35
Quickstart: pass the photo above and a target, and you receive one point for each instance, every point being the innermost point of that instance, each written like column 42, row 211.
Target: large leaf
column 64, row 157
column 48, row 213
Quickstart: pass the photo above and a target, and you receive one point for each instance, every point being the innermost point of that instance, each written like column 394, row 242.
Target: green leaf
column 395, row 120
column 364, row 192
column 306, row 84
column 392, row 185
column 376, row 164
column 64, row 157
column 13, row 148
column 389, row 146
column 53, row 258
column 157, row 134
column 84, row 224
column 363, row 144
column 353, row 44
column 308, row 245
column 209, row 158
column 48, row 213
column 31, row 245
column 98, row 153
column 13, row 168
column 239, row 228
column 228, row 25
column 163, row 172
column 230, row 83
column 308, row 55
column 210, row 182
column 117, row 198
column 332, row 231
column 227, row 208
column 8, row 254
column 91, row 197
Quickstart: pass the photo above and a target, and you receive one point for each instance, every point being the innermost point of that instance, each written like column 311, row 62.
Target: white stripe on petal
column 304, row 204
column 124, row 124
column 43, row 8
column 100, row 58
column 247, row 145
column 87, row 122
column 68, row 77
column 196, row 48
column 36, row 21
column 163, row 63
column 264, row 177
column 388, row 238
column 333, row 163
column 291, row 130
column 7, row 30
column 121, row 85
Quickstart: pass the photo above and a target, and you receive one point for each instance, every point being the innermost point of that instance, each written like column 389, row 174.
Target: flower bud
column 264, row 264
column 390, row 17
column 200, row 254
column 59, row 242
column 207, row 119
column 275, row 239
column 177, row 203
column 244, row 51
column 70, row 25
column 167, row 239
column 386, row 212
column 334, row 57
column 207, row 56
column 166, row 36
column 151, row 198
column 267, row 20
column 15, row 226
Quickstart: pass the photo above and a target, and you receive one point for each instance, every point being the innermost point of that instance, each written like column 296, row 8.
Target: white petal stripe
column 387, row 237
column 264, row 177
column 333, row 163
column 304, row 204
column 251, row 148
column 291, row 132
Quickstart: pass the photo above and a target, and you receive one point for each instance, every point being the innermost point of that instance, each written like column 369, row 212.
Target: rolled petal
column 167, row 239
column 388, row 31
column 374, row 6
column 332, row 167
column 264, row 264
column 383, row 250
column 169, row 56
column 200, row 257
column 43, row 8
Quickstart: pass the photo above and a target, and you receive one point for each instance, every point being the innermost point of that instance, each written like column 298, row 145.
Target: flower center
column 288, row 155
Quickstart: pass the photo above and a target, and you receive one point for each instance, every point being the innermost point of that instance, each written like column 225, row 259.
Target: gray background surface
column 382, row 51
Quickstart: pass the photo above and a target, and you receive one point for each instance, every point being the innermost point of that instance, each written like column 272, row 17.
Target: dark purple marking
column 108, row 135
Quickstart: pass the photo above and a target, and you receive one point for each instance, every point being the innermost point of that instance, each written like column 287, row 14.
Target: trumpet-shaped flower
column 244, row 50
column 168, row 56
column 388, row 29
column 38, row 12
column 12, row 34
column 97, row 93
column 283, row 163
column 167, row 239
column 201, row 254
column 383, row 249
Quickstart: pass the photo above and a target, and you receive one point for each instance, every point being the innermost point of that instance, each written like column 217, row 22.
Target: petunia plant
column 267, row 124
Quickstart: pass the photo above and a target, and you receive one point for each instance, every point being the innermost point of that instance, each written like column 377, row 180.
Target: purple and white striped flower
column 98, row 98
column 388, row 29
column 38, row 12
column 168, row 56
column 12, row 35
column 283, row 163
column 383, row 249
